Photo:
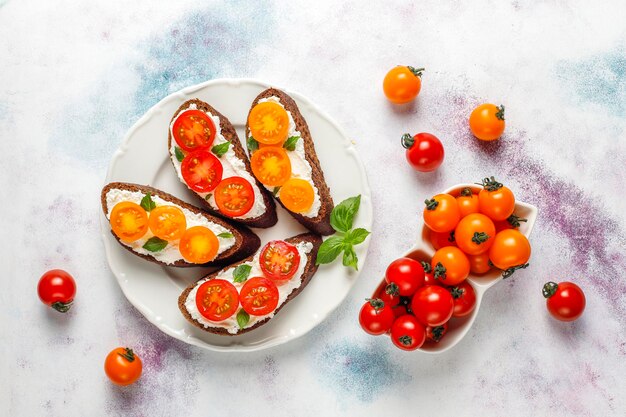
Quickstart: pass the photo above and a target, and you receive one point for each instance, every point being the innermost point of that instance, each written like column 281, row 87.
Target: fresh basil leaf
column 253, row 145
column 275, row 191
column 220, row 149
column 242, row 318
column 329, row 250
column 241, row 273
column 179, row 154
column 225, row 235
column 147, row 203
column 356, row 236
column 155, row 244
column 342, row 216
column 290, row 143
column 349, row 258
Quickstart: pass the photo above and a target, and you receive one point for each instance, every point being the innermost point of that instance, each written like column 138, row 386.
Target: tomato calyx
column 431, row 204
column 62, row 307
column 549, row 289
column 514, row 220
column 426, row 266
column 440, row 271
column 466, row 192
column 452, row 238
column 377, row 303
column 480, row 237
column 490, row 184
column 500, row 112
column 128, row 354
column 406, row 340
column 416, row 71
column 438, row 332
column 407, row 141
column 457, row 292
column 392, row 289
column 511, row 270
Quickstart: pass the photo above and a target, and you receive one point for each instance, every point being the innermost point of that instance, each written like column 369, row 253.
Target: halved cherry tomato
column 402, row 83
column 441, row 213
column 479, row 264
column 217, row 299
column 271, row 166
column 193, row 129
column 269, row 123
column 450, row 265
column 435, row 334
column 199, row 245
column 467, row 201
column 259, row 296
column 487, row 121
column 123, row 366
column 441, row 240
column 297, row 195
column 464, row 298
column 234, row 196
column 129, row 221
column 495, row 200
column 201, row 170
column 279, row 260
column 510, row 251
column 474, row 234
column 167, row 222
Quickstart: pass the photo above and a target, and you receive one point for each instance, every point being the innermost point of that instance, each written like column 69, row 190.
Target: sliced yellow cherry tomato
column 271, row 166
column 167, row 222
column 269, row 123
column 199, row 245
column 129, row 221
column 297, row 195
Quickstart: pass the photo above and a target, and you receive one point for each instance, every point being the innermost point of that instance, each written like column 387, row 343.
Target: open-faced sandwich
column 210, row 160
column 163, row 229
column 248, row 294
column 283, row 159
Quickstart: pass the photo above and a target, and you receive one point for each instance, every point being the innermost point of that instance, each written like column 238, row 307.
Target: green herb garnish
column 241, row 273
column 225, row 235
column 179, row 154
column 242, row 318
column 155, row 244
column 220, row 149
column 290, row 143
column 253, row 145
column 147, row 203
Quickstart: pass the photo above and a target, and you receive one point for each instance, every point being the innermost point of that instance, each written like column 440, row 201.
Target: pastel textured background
column 75, row 76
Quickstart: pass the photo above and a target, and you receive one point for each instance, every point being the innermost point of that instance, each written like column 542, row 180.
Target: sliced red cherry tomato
column 259, row 296
column 435, row 334
column 279, row 260
column 464, row 299
column 57, row 289
column 234, row 196
column 565, row 300
column 193, row 129
column 432, row 305
column 376, row 317
column 217, row 299
column 407, row 274
column 202, row 171
column 408, row 333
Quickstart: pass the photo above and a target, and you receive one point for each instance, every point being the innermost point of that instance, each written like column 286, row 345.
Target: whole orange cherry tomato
column 474, row 234
column 450, row 265
column 467, row 201
column 510, row 251
column 487, row 121
column 511, row 222
column 441, row 213
column 479, row 264
column 122, row 366
column 495, row 200
column 402, row 84
column 441, row 240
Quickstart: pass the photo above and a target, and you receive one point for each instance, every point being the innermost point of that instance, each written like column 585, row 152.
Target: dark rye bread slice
column 308, row 273
column 267, row 219
column 321, row 223
column 246, row 243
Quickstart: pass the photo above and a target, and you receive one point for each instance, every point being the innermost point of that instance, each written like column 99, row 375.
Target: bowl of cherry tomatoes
column 472, row 237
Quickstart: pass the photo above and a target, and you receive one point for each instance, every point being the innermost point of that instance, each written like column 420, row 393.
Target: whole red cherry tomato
column 375, row 317
column 407, row 333
column 57, row 289
column 565, row 300
column 435, row 334
column 464, row 299
column 432, row 305
column 424, row 151
column 407, row 274
column 390, row 294
column 429, row 275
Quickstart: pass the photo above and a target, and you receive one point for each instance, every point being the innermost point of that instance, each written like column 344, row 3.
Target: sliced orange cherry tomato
column 201, row 170
column 474, row 234
column 234, row 196
column 402, row 84
column 510, row 251
column 450, row 265
column 495, row 200
column 269, row 123
column 167, row 222
column 198, row 245
column 467, row 201
column 259, row 296
column 479, row 264
column 271, row 166
column 217, row 299
column 297, row 195
column 487, row 122
column 279, row 260
column 193, row 129
column 123, row 366
column 441, row 240
column 441, row 213
column 129, row 221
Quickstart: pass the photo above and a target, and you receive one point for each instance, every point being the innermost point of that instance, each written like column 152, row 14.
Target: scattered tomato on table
column 122, row 366
column 487, row 122
column 424, row 152
column 402, row 84
column 57, row 289
column 565, row 301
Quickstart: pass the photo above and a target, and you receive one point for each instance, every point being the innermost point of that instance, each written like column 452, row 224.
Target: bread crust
column 267, row 219
column 308, row 273
column 246, row 244
column 321, row 223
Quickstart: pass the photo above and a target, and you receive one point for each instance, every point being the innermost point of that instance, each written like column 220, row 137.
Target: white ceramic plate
column 153, row 290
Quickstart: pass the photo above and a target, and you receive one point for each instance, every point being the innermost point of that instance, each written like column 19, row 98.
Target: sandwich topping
column 278, row 157
column 239, row 297
column 150, row 225
column 206, row 162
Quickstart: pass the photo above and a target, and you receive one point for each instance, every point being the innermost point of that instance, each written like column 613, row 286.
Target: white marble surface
column 74, row 77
